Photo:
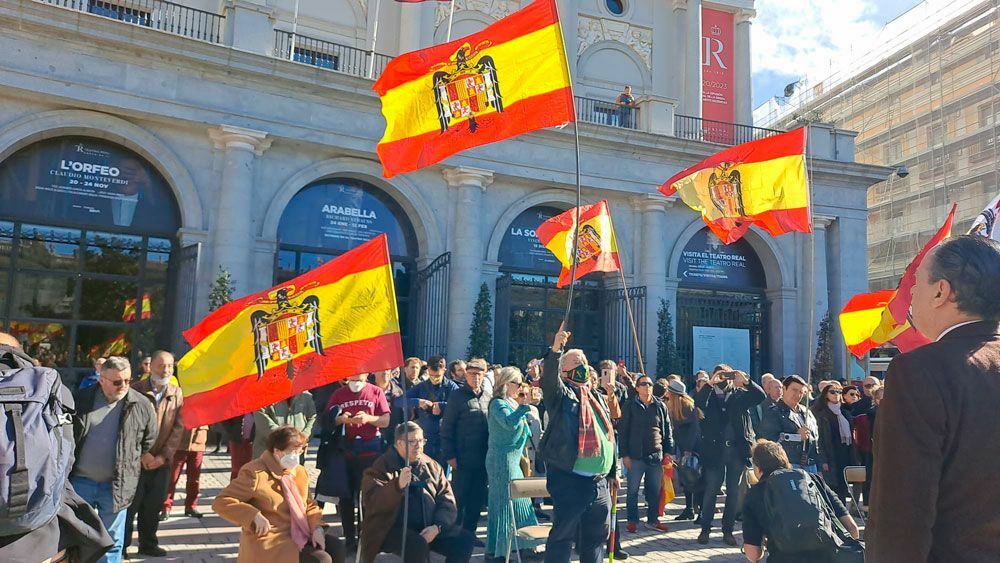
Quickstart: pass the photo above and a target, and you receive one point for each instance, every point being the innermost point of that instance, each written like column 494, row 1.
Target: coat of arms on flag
column 282, row 333
column 463, row 89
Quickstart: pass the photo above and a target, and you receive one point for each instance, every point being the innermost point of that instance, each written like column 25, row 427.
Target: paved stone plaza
column 212, row 539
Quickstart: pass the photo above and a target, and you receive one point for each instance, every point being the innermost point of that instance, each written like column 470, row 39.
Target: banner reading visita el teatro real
column 717, row 74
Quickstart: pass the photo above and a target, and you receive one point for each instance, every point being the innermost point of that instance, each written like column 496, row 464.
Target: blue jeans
column 99, row 496
column 654, row 483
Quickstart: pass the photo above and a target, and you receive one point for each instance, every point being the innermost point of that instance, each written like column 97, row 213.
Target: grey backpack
column 36, row 445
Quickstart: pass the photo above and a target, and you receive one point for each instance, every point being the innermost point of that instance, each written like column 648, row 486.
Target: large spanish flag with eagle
column 330, row 323
column 597, row 250
column 761, row 183
column 507, row 79
column 870, row 320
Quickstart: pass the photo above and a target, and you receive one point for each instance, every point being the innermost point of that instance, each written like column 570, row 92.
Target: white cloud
column 810, row 37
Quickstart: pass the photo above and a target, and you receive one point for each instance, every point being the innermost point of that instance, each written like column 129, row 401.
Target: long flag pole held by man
column 330, row 323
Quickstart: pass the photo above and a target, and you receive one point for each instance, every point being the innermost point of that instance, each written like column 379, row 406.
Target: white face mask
column 356, row 386
column 289, row 461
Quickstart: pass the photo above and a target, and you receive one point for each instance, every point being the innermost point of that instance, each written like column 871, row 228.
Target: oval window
column 616, row 7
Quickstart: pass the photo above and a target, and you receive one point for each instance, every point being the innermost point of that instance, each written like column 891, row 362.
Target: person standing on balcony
column 625, row 102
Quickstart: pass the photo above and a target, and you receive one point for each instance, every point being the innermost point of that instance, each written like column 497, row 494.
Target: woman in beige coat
column 270, row 501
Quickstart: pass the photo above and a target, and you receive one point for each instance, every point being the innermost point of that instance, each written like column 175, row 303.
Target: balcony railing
column 154, row 14
column 698, row 129
column 326, row 54
column 604, row 112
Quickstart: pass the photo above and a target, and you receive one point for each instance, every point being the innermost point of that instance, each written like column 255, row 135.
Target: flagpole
column 371, row 62
column 812, row 261
column 295, row 26
column 406, row 447
column 628, row 303
column 451, row 18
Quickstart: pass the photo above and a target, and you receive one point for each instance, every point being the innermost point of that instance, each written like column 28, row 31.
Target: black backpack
column 798, row 519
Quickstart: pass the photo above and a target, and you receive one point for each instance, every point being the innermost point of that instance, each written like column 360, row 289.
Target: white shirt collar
column 953, row 327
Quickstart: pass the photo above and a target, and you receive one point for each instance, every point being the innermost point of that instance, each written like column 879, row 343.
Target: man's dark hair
column 793, row 379
column 971, row 264
column 435, row 361
column 769, row 457
column 404, row 429
column 454, row 365
column 722, row 367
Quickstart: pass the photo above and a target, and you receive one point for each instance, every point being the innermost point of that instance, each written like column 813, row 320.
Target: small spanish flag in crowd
column 330, row 323
column 128, row 315
column 596, row 251
column 759, row 183
column 508, row 79
column 870, row 320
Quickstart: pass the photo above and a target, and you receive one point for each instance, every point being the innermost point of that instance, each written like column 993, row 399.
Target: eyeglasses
column 415, row 443
column 118, row 382
column 835, row 392
column 644, row 384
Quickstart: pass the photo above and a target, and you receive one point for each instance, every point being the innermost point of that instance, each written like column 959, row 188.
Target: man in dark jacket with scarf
column 579, row 451
column 404, row 471
column 464, row 440
column 726, row 438
column 114, row 425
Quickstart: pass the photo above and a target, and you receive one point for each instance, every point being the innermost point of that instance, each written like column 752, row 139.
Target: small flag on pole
column 759, row 183
column 327, row 324
column 870, row 320
column 596, row 251
column 508, row 79
column 985, row 224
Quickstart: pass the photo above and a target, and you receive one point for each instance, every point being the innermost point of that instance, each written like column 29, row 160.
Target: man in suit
column 726, row 437
column 935, row 493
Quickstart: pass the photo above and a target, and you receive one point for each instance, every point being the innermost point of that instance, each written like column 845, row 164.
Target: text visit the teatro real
column 138, row 155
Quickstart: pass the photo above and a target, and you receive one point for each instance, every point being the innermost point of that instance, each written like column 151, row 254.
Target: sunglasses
column 644, row 384
column 119, row 382
column 835, row 392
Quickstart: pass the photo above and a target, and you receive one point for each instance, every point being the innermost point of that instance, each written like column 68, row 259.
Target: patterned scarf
column 588, row 444
column 296, row 510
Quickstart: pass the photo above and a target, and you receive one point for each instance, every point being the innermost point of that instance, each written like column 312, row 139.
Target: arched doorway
column 529, row 307
column 331, row 216
column 722, row 312
column 87, row 250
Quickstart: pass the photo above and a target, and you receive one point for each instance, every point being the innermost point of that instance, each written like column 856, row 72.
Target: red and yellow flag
column 870, row 320
column 327, row 324
column 128, row 314
column 759, row 183
column 596, row 251
column 508, row 79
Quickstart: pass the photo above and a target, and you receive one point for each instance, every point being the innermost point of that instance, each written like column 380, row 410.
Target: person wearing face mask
column 113, row 426
column 429, row 398
column 151, row 490
column 726, row 437
column 578, row 447
column 364, row 412
column 270, row 502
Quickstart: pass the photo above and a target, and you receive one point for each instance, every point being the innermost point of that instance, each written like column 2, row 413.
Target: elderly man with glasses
column 113, row 426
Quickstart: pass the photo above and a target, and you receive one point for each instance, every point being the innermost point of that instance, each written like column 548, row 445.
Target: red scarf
column 588, row 445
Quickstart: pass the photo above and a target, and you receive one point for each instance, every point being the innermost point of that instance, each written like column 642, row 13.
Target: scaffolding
column 926, row 96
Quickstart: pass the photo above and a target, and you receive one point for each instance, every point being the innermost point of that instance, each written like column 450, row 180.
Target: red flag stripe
column 867, row 301
column 899, row 307
column 564, row 221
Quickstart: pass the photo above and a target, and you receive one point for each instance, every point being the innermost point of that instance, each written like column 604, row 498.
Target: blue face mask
column 579, row 374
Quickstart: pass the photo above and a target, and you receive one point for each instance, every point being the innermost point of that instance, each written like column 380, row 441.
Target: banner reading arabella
column 717, row 74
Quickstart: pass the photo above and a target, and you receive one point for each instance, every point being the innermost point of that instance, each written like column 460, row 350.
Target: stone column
column 691, row 100
column 675, row 55
column 821, row 282
column 783, row 338
column 232, row 229
column 467, row 251
column 652, row 266
column 742, row 89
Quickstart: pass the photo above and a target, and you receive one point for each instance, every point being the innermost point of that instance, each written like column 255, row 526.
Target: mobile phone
column 606, row 376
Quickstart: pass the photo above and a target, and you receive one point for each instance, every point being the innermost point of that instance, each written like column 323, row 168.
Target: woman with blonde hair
column 684, row 421
column 509, row 432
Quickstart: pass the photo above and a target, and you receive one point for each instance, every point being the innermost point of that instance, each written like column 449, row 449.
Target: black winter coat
column 718, row 415
column 464, row 428
column 644, row 430
column 136, row 435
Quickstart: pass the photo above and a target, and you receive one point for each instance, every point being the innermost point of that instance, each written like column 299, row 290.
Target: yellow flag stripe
column 766, row 186
column 858, row 326
column 526, row 67
column 356, row 307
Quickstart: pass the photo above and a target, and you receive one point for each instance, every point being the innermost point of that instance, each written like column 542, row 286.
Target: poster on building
column 705, row 260
column 520, row 248
column 713, row 346
column 85, row 180
column 717, row 75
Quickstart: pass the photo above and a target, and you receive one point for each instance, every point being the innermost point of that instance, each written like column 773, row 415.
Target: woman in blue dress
column 508, row 425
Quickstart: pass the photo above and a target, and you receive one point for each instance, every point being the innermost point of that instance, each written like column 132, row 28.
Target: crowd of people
column 412, row 456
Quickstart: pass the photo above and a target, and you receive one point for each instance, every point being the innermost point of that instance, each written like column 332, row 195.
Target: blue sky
column 794, row 37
